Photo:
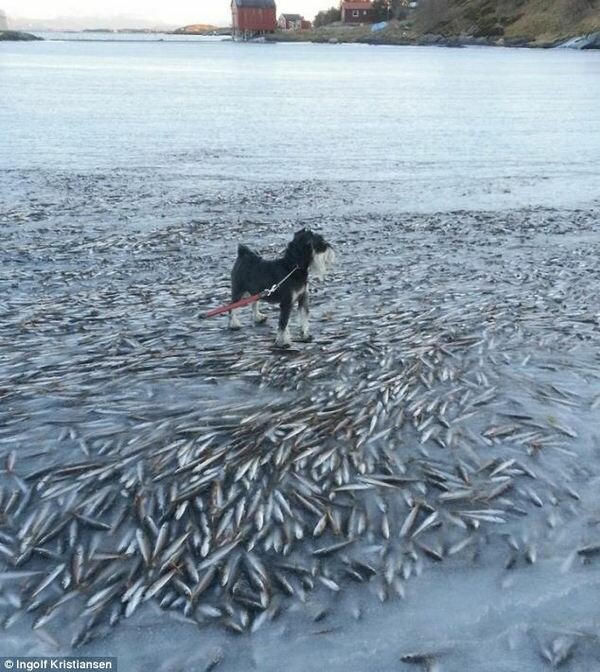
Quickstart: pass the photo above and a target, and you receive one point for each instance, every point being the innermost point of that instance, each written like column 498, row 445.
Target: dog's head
column 312, row 252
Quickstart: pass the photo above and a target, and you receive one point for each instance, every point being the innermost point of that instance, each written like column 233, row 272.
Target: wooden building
column 290, row 22
column 357, row 11
column 253, row 18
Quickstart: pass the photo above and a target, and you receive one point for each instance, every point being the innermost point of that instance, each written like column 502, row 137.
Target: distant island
column 202, row 29
column 17, row 36
column 145, row 31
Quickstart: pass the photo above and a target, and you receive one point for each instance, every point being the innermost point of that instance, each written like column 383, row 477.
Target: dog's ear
column 300, row 250
column 304, row 239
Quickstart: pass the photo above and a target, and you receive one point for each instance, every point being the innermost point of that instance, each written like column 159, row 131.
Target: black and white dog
column 307, row 253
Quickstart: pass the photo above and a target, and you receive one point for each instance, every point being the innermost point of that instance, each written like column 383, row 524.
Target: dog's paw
column 235, row 327
column 306, row 339
column 283, row 339
column 261, row 319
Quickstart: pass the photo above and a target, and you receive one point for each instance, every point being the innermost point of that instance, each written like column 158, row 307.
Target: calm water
column 453, row 127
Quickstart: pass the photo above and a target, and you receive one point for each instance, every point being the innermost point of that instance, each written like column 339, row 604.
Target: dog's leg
column 305, row 336
column 234, row 320
column 283, row 339
column 259, row 318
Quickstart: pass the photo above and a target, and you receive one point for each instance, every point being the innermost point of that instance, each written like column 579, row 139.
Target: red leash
column 237, row 304
column 249, row 299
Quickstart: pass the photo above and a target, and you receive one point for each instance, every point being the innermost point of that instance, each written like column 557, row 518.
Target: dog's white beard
column 321, row 262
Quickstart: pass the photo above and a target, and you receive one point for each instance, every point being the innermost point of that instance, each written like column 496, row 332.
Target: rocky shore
column 391, row 35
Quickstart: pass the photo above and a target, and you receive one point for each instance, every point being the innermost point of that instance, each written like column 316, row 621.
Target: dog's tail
column 244, row 251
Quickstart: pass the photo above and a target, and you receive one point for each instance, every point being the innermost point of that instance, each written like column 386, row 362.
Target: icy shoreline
column 517, row 594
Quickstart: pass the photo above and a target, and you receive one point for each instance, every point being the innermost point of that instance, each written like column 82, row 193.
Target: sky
column 179, row 12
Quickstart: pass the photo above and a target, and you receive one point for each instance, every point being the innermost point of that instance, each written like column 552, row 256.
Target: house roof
column 263, row 4
column 357, row 4
column 292, row 17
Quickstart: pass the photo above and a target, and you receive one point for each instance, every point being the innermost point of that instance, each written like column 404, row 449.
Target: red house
column 252, row 18
column 357, row 11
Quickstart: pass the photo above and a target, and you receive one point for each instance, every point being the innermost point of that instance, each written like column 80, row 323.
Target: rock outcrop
column 591, row 41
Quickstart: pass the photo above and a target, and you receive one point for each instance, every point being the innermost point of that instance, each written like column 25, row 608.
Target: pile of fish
column 149, row 455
